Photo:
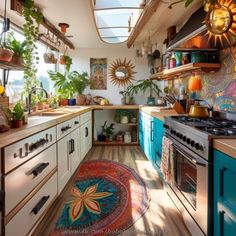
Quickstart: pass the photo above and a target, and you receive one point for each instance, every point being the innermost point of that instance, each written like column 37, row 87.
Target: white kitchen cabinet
column 68, row 157
column 86, row 138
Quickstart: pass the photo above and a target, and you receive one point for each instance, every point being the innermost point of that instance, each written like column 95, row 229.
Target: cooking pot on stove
column 198, row 111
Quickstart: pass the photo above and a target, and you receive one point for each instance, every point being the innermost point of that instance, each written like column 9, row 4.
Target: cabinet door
column 224, row 195
column 86, row 138
column 76, row 148
column 63, row 149
column 147, row 142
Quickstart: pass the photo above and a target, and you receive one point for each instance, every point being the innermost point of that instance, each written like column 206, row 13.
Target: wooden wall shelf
column 11, row 66
column 171, row 73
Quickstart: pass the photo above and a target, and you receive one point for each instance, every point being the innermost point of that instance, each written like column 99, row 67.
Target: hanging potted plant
column 17, row 115
column 18, row 48
column 49, row 57
column 66, row 60
column 79, row 82
column 5, row 53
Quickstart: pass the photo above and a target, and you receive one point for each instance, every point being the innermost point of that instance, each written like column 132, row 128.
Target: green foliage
column 108, row 130
column 143, row 86
column 121, row 113
column 79, row 81
column 18, row 47
column 18, row 111
column 68, row 62
column 33, row 18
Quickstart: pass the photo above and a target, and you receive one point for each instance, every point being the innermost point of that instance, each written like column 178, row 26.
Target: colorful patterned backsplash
column 219, row 88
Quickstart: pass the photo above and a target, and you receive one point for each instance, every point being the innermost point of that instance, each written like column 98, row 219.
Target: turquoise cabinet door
column 224, row 194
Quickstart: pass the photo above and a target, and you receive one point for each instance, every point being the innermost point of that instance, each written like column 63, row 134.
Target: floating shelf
column 114, row 143
column 170, row 73
column 11, row 66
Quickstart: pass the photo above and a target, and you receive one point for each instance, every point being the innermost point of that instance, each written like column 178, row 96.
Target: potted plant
column 126, row 97
column 144, row 85
column 123, row 116
column 34, row 102
column 53, row 101
column 79, row 82
column 108, row 131
column 18, row 48
column 64, row 85
column 5, row 53
column 66, row 60
column 17, row 115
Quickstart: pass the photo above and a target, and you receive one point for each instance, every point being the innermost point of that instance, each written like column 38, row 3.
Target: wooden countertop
column 227, row 146
column 38, row 123
column 159, row 112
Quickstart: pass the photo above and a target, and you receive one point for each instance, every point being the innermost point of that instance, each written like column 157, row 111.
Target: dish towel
column 167, row 160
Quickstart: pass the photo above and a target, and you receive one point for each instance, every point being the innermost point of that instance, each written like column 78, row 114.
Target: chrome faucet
column 33, row 90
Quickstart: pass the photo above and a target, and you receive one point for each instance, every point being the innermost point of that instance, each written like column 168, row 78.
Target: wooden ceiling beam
column 17, row 5
column 146, row 15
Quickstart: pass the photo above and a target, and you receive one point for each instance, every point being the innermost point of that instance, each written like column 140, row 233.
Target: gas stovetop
column 211, row 126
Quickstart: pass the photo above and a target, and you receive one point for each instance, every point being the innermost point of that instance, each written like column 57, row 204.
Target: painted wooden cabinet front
column 224, row 194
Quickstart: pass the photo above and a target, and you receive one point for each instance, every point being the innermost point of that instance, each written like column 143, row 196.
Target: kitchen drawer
column 25, row 219
column 24, row 179
column 85, row 117
column 65, row 128
column 76, row 122
column 17, row 153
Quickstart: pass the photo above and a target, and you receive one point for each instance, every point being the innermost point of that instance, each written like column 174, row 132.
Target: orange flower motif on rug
column 86, row 199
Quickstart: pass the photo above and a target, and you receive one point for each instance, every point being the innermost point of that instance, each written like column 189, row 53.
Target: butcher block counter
column 227, row 146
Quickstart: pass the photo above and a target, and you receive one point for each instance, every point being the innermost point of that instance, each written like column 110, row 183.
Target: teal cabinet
column 151, row 132
column 224, row 194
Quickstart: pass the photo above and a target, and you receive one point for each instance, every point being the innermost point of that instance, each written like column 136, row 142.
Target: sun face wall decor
column 121, row 72
column 221, row 21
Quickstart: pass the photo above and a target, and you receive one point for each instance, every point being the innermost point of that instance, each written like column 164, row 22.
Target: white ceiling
column 78, row 14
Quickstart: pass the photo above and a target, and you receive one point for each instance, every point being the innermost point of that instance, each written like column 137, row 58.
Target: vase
column 63, row 102
column 71, row 101
column 124, row 120
column 80, row 100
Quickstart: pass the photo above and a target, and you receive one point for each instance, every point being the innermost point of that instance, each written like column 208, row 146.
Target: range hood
column 193, row 35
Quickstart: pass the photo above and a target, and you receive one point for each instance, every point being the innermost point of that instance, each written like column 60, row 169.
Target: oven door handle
column 194, row 161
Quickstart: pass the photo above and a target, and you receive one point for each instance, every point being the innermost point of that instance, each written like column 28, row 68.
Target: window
column 15, row 84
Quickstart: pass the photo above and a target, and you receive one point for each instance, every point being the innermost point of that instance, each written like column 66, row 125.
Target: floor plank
column 161, row 219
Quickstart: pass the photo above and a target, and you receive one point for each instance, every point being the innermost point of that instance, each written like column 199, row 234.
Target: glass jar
column 127, row 137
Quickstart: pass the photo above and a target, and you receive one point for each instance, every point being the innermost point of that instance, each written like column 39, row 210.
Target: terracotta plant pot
column 46, row 106
column 17, row 123
column 63, row 102
column 41, row 105
column 62, row 60
column 5, row 55
column 35, row 108
column 16, row 60
column 80, row 100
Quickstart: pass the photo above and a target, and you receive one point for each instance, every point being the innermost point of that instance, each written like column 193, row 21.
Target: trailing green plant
column 18, row 111
column 143, row 86
column 68, row 61
column 18, row 47
column 108, row 130
column 33, row 18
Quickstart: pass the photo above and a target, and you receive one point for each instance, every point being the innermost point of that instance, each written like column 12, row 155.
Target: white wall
column 81, row 63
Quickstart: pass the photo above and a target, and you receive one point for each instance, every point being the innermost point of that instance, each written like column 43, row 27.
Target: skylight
column 115, row 19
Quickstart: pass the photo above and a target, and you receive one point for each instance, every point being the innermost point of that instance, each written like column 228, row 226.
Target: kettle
column 199, row 111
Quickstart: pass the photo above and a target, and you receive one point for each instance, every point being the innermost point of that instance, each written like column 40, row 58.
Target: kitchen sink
column 53, row 113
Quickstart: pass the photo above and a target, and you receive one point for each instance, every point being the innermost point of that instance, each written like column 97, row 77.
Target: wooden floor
column 161, row 219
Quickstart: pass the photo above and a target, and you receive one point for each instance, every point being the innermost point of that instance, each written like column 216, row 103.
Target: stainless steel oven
column 190, row 183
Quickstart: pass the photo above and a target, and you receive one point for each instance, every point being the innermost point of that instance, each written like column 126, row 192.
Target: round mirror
column 121, row 73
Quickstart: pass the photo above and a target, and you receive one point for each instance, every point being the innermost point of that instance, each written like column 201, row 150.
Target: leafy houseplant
column 18, row 48
column 144, row 85
column 17, row 115
column 108, row 131
column 33, row 18
column 66, row 60
column 123, row 116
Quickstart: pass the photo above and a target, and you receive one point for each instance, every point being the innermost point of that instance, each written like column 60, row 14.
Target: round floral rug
column 106, row 199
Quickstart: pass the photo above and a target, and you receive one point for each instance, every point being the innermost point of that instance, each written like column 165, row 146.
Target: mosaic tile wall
column 219, row 88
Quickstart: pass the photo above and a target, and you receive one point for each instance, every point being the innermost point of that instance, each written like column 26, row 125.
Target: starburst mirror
column 121, row 72
column 221, row 21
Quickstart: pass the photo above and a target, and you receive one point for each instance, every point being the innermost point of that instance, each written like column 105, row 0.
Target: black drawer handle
column 40, row 204
column 76, row 122
column 38, row 144
column 221, row 190
column 221, row 223
column 159, row 154
column 86, row 131
column 72, row 145
column 37, row 170
column 63, row 129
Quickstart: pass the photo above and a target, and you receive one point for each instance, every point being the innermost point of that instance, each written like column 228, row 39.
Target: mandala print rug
column 106, row 199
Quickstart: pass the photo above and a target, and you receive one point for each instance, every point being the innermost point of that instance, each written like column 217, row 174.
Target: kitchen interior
column 118, row 117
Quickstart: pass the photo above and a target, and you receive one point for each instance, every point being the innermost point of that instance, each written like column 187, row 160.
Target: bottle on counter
column 127, row 137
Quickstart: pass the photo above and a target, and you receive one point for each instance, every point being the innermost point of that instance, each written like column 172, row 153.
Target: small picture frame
column 164, row 61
